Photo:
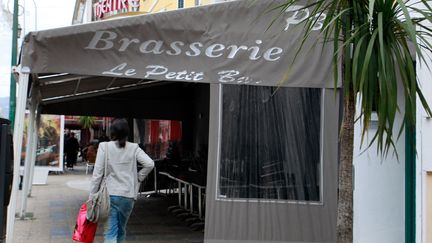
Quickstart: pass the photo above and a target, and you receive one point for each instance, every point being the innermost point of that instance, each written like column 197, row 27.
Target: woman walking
column 122, row 179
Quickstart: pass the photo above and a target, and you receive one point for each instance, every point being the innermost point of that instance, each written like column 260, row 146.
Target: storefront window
column 270, row 143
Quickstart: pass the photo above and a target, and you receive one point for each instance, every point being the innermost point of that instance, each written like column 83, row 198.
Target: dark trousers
column 71, row 159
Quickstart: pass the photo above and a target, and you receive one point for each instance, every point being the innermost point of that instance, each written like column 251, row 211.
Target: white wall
column 379, row 190
column 424, row 154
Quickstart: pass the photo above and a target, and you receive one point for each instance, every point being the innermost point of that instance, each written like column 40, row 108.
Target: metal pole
column 12, row 91
column 410, row 181
column 155, row 180
column 33, row 154
column 179, row 193
column 18, row 137
column 191, row 197
column 186, row 195
column 29, row 149
column 199, row 203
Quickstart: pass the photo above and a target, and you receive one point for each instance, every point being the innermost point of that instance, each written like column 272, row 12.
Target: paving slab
column 54, row 208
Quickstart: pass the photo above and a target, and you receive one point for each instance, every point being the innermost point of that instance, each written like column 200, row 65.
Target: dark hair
column 120, row 131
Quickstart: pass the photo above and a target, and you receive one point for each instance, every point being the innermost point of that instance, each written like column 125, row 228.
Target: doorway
column 171, row 123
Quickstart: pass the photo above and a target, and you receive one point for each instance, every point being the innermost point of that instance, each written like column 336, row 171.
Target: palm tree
column 375, row 40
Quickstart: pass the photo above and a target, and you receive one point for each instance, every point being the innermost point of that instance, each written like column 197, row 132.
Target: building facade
column 380, row 196
column 94, row 10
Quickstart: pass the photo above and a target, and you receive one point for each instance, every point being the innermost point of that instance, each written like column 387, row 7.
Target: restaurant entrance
column 170, row 121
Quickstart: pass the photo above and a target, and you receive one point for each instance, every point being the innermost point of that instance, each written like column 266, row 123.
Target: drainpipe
column 410, row 182
column 12, row 92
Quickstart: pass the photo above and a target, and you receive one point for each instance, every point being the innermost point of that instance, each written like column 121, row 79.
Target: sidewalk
column 54, row 207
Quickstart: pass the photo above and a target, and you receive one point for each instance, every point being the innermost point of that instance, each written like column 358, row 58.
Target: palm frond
column 377, row 39
column 87, row 121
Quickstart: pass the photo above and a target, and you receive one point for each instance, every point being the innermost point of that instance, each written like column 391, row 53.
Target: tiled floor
column 54, row 207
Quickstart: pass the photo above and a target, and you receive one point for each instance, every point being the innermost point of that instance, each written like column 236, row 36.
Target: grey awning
column 227, row 43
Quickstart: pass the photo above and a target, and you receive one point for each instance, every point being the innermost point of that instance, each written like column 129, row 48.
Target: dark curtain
column 270, row 145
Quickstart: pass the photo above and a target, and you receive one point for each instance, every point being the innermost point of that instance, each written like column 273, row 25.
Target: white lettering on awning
column 110, row 41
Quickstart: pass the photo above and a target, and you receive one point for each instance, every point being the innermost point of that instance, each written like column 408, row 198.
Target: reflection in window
column 270, row 143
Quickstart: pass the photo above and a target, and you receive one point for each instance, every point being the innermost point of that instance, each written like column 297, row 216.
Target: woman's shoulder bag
column 98, row 207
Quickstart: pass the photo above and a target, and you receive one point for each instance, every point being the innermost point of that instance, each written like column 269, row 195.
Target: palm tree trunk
column 345, row 193
column 91, row 130
column 344, row 227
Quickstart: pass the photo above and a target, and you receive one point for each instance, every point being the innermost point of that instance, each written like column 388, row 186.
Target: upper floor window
column 180, row 3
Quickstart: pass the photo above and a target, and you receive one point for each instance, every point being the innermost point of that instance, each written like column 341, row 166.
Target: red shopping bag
column 84, row 230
